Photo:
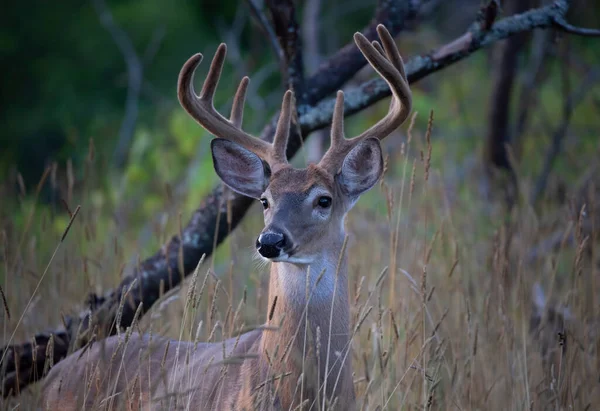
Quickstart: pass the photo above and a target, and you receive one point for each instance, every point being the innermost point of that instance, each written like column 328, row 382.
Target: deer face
column 304, row 209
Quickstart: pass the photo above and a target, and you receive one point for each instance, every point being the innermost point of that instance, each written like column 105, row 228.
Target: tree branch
column 311, row 23
column 344, row 64
column 532, row 80
column 571, row 100
column 561, row 24
column 418, row 67
column 498, row 136
column 283, row 14
column 266, row 28
column 208, row 228
column 135, row 73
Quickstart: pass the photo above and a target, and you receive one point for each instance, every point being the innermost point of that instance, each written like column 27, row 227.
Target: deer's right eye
column 265, row 203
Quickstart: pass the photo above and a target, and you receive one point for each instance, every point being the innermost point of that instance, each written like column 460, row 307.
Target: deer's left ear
column 362, row 168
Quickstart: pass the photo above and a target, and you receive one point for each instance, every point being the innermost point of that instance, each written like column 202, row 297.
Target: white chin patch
column 286, row 258
column 298, row 260
column 280, row 258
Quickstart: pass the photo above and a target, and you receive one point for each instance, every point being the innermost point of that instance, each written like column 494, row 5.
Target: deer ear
column 239, row 168
column 362, row 168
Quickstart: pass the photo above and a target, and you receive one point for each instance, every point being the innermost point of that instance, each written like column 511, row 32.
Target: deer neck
column 326, row 310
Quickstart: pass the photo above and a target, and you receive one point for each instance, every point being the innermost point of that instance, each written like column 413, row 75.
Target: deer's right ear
column 239, row 168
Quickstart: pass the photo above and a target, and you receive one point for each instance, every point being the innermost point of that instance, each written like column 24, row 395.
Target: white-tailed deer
column 283, row 365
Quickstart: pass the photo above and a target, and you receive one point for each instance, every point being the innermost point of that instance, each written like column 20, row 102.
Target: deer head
column 303, row 208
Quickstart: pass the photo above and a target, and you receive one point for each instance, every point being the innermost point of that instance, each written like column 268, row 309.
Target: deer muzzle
column 271, row 244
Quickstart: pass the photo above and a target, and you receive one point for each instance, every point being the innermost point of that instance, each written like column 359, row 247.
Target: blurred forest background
column 89, row 116
column 104, row 74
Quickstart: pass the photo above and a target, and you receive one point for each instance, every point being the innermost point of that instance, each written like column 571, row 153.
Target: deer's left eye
column 324, row 202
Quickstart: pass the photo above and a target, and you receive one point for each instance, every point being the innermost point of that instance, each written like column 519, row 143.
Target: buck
column 299, row 358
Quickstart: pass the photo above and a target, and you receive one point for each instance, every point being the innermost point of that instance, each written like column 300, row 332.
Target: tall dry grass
column 457, row 302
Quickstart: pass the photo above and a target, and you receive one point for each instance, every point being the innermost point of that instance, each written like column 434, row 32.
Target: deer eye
column 265, row 203
column 324, row 202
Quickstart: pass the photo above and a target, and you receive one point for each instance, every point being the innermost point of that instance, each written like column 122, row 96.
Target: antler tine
column 377, row 45
column 214, row 74
column 282, row 131
column 201, row 108
column 340, row 146
column 391, row 68
column 237, row 108
column 386, row 60
column 391, row 50
column 337, row 122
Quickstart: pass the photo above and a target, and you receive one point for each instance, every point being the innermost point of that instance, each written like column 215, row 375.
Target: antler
column 202, row 109
column 385, row 60
column 389, row 65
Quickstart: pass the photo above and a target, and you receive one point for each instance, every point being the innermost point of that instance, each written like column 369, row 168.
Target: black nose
column 270, row 244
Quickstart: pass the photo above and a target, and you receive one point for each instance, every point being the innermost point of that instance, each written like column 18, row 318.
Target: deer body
column 162, row 377
column 141, row 374
column 301, row 357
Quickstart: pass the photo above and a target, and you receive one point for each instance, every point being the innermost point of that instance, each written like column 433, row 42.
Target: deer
column 299, row 358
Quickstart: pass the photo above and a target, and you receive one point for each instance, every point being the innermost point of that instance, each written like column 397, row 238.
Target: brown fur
column 113, row 374
column 308, row 335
